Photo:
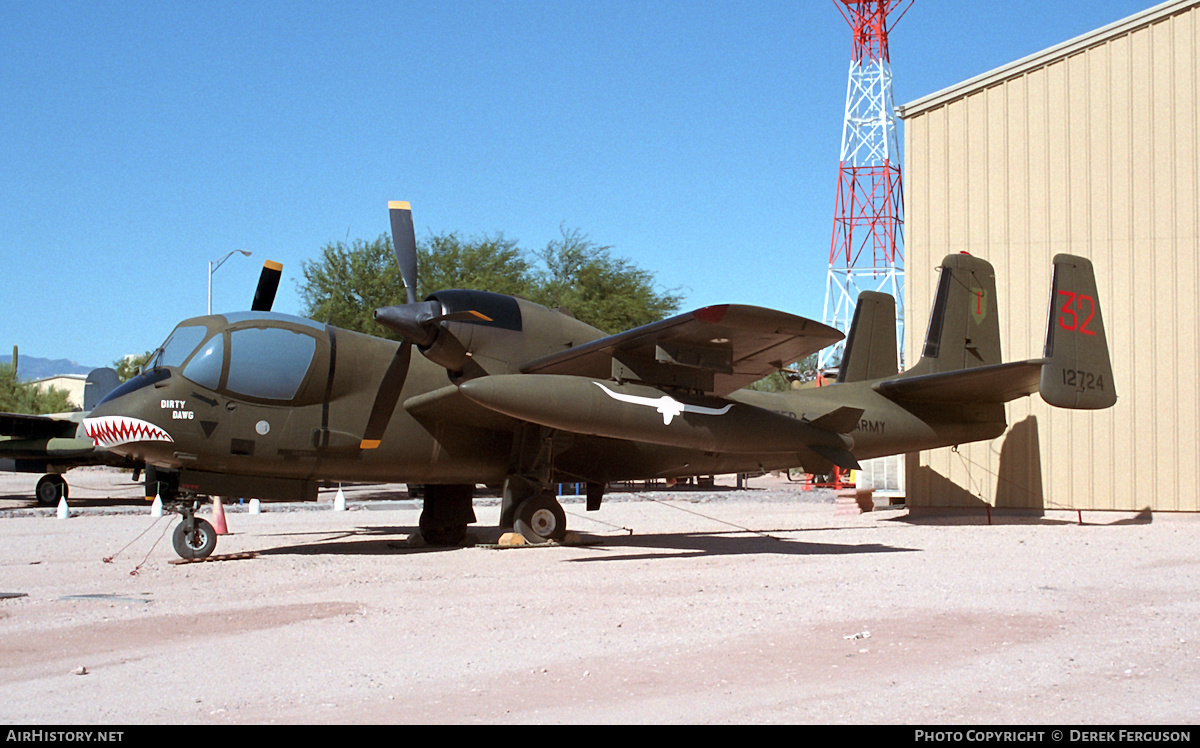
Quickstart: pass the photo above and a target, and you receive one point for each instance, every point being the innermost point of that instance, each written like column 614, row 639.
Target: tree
column 127, row 367
column 23, row 397
column 786, row 380
column 489, row 263
column 347, row 283
column 610, row 293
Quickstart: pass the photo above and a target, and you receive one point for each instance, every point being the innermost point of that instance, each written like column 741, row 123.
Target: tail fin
column 870, row 351
column 1077, row 372
column 964, row 331
column 98, row 384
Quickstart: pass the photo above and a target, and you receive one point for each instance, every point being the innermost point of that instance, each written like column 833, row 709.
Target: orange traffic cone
column 219, row 517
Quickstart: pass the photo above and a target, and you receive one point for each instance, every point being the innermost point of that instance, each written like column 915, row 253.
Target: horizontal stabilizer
column 999, row 383
column 841, row 421
column 838, row 456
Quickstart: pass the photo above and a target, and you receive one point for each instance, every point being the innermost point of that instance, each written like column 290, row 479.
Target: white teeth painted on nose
column 110, row 431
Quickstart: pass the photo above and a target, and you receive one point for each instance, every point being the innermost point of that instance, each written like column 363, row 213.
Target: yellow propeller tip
column 399, row 205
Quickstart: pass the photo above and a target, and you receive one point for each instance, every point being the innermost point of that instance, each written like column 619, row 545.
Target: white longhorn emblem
column 668, row 406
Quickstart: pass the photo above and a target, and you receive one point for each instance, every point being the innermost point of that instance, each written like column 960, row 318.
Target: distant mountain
column 32, row 367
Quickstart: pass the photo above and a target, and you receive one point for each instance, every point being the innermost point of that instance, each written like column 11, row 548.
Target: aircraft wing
column 24, row 426
column 999, row 383
column 716, row 350
column 39, row 439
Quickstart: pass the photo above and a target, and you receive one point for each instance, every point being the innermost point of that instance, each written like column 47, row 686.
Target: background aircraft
column 509, row 393
column 55, row 443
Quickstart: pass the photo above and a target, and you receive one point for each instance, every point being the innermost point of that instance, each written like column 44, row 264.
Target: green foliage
column 775, row 382
column 347, row 283
column 610, row 293
column 128, row 366
column 22, row 397
column 485, row 264
column 783, row 381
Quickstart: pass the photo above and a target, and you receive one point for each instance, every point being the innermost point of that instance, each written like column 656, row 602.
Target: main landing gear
column 540, row 518
column 50, row 489
column 446, row 513
column 530, row 508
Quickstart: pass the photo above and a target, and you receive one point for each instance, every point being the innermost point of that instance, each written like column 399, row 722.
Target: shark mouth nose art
column 110, row 431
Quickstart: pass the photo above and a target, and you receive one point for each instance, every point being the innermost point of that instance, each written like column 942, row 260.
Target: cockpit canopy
column 262, row 356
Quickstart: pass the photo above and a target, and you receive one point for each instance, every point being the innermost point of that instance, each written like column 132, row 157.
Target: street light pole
column 212, row 268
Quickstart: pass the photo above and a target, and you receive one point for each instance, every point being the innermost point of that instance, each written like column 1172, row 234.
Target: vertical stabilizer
column 1077, row 372
column 99, row 383
column 964, row 329
column 870, row 350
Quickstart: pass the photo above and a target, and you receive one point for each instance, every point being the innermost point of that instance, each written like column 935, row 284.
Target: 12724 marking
column 1082, row 380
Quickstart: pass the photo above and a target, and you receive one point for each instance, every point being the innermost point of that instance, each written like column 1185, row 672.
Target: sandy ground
column 763, row 605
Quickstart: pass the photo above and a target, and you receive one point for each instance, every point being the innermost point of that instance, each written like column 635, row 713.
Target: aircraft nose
column 111, row 431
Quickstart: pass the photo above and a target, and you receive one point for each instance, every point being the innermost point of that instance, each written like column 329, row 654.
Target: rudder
column 1077, row 372
column 870, row 351
column 964, row 330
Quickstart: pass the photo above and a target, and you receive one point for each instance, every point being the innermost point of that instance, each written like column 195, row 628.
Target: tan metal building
column 1091, row 147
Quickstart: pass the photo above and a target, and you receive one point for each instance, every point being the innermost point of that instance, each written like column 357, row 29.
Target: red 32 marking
column 1073, row 308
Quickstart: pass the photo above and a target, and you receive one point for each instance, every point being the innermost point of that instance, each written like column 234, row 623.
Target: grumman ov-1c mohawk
column 509, row 393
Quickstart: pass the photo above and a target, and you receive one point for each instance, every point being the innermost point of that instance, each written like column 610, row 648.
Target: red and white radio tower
column 866, row 252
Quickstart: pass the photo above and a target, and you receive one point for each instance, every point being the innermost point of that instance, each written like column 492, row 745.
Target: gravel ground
column 761, row 605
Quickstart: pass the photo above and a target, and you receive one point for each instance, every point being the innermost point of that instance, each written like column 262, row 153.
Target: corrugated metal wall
column 1091, row 148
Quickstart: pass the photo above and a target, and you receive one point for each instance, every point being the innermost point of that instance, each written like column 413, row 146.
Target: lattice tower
column 866, row 251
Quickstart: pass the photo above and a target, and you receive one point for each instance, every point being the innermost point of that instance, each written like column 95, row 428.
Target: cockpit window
column 180, row 343
column 205, row 367
column 269, row 363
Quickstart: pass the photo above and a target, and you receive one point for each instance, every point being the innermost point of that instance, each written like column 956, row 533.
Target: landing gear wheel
column 50, row 488
column 448, row 534
column 445, row 513
column 199, row 543
column 541, row 518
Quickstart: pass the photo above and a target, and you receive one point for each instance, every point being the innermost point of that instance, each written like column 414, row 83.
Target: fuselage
column 277, row 396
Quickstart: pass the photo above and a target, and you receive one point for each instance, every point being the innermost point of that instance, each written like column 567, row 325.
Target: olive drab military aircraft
column 56, row 442
column 496, row 390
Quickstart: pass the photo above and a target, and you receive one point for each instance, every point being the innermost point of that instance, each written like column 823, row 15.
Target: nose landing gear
column 194, row 538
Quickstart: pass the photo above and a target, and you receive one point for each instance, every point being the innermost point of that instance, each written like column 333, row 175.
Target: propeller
column 420, row 321
column 268, row 284
column 417, row 321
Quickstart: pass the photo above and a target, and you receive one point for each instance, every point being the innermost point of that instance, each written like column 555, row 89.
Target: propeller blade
column 387, row 396
column 268, row 284
column 404, row 239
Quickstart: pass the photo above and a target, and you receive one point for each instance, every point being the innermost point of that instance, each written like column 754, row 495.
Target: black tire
column 50, row 489
column 197, row 544
column 445, row 514
column 540, row 518
column 442, row 533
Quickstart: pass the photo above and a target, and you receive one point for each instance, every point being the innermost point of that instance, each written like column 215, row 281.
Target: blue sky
column 140, row 140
